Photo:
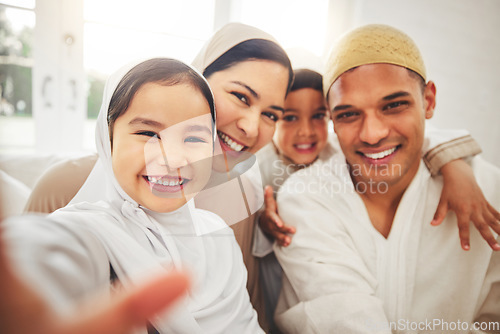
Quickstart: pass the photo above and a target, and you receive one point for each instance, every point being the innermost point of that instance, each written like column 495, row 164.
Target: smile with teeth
column 230, row 142
column 165, row 182
column 305, row 146
column 380, row 155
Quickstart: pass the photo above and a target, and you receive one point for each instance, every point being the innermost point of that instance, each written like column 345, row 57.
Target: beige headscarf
column 224, row 39
column 372, row 44
column 239, row 192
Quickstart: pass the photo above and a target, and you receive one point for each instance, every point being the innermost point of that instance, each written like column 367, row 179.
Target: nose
column 373, row 130
column 248, row 123
column 173, row 156
column 305, row 128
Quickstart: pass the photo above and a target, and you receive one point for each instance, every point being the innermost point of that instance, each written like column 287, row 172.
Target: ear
column 429, row 99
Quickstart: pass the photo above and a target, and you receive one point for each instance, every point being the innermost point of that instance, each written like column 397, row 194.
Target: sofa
column 19, row 174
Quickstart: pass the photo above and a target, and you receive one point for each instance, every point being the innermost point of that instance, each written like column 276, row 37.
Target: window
column 300, row 26
column 117, row 34
column 52, row 74
column 17, row 24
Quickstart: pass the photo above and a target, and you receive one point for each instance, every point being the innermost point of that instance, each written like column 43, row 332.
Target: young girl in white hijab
column 155, row 136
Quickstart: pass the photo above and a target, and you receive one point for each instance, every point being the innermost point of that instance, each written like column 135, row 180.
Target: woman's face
column 249, row 99
column 163, row 145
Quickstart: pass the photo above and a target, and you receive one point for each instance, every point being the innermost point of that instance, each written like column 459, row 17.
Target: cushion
column 13, row 195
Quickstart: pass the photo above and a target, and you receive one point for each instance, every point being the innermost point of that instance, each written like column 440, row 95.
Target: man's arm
column 442, row 146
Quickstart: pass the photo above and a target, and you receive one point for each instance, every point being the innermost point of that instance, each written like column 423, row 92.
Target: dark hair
column 305, row 78
column 419, row 78
column 253, row 49
column 165, row 71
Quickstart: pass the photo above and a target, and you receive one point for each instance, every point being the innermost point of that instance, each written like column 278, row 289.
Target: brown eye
column 290, row 118
column 148, row 134
column 241, row 97
column 272, row 116
column 396, row 106
column 346, row 115
column 193, row 139
column 319, row 116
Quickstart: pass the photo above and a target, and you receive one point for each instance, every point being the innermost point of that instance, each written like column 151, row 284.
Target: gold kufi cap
column 372, row 44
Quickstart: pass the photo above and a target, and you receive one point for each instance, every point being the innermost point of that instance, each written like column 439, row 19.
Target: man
column 364, row 257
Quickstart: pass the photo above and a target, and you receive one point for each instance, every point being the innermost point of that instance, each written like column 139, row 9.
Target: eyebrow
column 278, row 108
column 150, row 122
column 145, row 121
column 198, row 128
column 395, row 95
column 323, row 108
column 342, row 107
column 385, row 98
column 256, row 95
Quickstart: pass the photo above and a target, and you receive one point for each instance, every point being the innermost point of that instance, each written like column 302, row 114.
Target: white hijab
column 139, row 241
column 224, row 39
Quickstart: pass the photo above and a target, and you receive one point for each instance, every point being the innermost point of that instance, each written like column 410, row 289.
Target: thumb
column 269, row 198
column 441, row 211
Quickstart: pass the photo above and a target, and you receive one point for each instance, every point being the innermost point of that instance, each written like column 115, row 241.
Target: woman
column 250, row 76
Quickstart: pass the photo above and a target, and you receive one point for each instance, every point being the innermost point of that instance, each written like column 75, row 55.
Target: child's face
column 302, row 132
column 162, row 146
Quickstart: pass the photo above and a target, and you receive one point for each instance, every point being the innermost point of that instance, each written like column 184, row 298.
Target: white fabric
column 224, row 39
column 13, row 195
column 435, row 136
column 111, row 228
column 275, row 171
column 343, row 276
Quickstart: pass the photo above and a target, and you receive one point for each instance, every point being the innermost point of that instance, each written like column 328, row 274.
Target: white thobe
column 343, row 276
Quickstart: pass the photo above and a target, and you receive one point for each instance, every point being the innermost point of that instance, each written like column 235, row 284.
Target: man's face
column 378, row 112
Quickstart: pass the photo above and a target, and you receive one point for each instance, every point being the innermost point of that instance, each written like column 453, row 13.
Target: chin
column 164, row 206
column 304, row 160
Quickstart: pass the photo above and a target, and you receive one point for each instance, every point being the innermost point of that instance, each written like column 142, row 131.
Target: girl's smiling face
column 249, row 99
column 162, row 146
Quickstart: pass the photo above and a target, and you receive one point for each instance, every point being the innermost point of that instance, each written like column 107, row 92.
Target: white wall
column 461, row 47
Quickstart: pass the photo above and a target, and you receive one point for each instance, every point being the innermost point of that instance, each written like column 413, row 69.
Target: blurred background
column 56, row 54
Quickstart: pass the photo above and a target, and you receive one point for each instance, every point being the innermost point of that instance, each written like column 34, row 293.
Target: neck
column 382, row 202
